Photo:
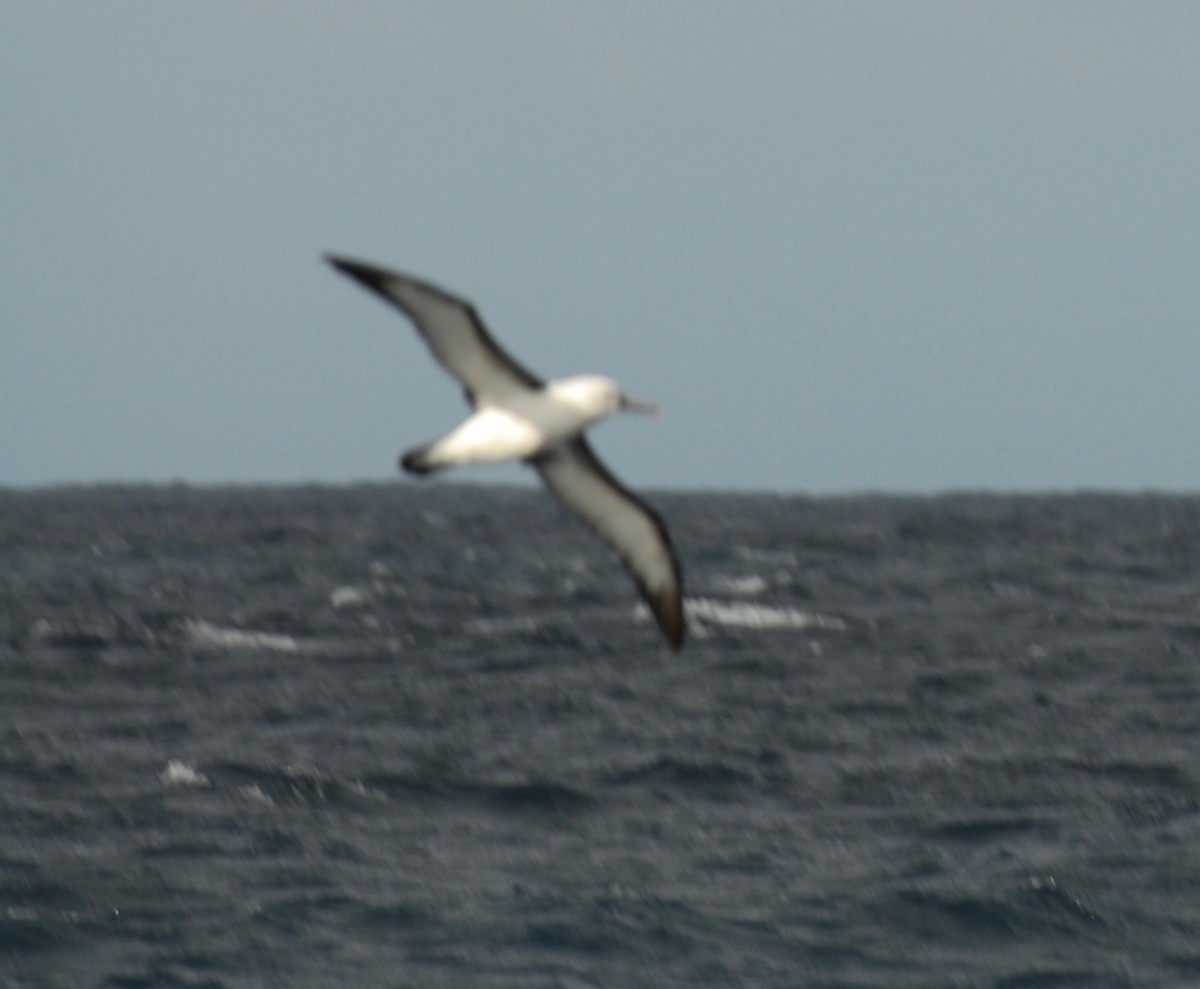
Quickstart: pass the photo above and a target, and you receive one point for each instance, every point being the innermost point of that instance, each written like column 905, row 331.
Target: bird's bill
column 631, row 404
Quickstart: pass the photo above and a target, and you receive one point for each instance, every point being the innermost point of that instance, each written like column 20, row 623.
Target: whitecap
column 256, row 793
column 776, row 557
column 347, row 597
column 744, row 586
column 739, row 614
column 517, row 624
column 219, row 637
column 178, row 773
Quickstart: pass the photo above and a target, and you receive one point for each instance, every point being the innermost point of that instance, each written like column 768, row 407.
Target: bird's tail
column 421, row 461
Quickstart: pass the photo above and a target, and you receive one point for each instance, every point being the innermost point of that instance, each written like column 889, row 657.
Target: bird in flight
column 517, row 416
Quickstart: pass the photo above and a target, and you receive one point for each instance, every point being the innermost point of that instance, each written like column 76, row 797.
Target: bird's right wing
column 629, row 526
column 451, row 328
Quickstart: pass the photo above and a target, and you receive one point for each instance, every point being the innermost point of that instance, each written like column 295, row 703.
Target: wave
column 206, row 634
column 179, row 773
column 271, row 785
column 309, row 785
column 536, row 796
column 740, row 614
column 517, row 624
column 712, row 776
column 90, row 632
column 741, row 586
column 342, row 598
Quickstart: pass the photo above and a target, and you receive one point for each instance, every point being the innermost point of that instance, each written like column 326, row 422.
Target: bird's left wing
column 629, row 526
column 450, row 327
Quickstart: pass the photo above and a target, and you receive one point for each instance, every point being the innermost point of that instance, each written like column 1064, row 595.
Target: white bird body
column 493, row 434
column 516, row 425
column 517, row 417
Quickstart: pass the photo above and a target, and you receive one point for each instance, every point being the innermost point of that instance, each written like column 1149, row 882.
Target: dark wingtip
column 675, row 635
column 369, row 275
column 668, row 612
column 417, row 462
column 342, row 264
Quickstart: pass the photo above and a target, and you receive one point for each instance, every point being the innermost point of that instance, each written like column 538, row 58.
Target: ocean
column 424, row 735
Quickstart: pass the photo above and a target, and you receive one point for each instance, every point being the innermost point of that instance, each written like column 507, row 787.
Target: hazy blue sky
column 887, row 246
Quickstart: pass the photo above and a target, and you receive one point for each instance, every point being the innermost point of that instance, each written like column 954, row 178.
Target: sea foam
column 204, row 633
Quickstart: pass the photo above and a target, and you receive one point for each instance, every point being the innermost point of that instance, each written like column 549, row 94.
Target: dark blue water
column 400, row 736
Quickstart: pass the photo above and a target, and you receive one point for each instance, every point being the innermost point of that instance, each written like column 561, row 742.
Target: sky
column 892, row 247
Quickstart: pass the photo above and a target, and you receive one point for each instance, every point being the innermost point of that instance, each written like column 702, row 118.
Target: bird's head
column 596, row 397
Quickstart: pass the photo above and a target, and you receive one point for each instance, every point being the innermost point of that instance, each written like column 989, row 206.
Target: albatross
column 517, row 416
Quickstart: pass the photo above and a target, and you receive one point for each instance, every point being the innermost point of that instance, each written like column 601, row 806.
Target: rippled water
column 423, row 736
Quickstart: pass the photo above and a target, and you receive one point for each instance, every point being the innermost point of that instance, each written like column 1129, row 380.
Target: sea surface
column 409, row 736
